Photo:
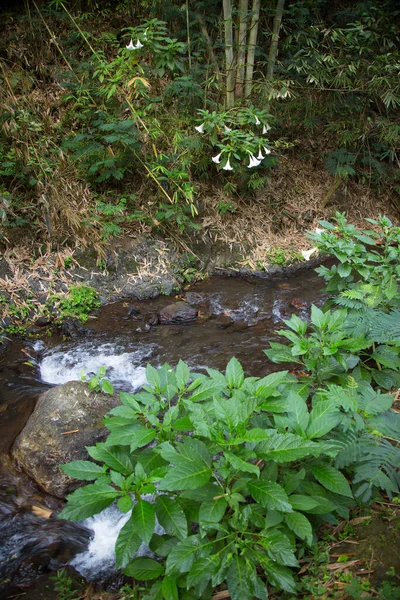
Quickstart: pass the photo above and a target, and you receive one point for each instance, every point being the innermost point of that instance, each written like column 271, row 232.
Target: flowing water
column 237, row 317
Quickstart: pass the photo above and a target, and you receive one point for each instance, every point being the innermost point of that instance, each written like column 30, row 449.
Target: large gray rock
column 44, row 443
column 179, row 312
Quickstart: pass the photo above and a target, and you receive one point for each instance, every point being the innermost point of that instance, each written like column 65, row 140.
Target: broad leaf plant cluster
column 228, row 478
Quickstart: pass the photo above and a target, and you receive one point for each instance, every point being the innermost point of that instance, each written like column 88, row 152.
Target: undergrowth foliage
column 107, row 100
column 228, row 478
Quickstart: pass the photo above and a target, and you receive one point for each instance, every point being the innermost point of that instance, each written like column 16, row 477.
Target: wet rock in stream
column 177, row 313
column 66, row 419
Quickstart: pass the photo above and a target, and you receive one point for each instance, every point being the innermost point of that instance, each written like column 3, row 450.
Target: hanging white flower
column 306, row 254
column 319, row 230
column 227, row 129
column 138, row 45
column 258, row 122
column 260, row 155
column 130, row 46
column 227, row 167
column 217, row 159
column 267, row 150
column 266, row 128
column 200, row 128
column 254, row 162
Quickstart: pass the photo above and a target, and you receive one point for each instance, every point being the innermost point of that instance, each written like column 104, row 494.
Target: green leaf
column 242, row 465
column 387, row 378
column 332, row 479
column 171, row 516
column 153, row 377
column 113, row 456
column 391, row 289
column 202, row 569
column 303, row 503
column 182, row 556
column 372, row 402
column 227, row 412
column 270, row 494
column 279, row 548
column 234, row 373
column 344, row 270
column 144, row 569
column 182, row 373
column 387, row 357
column 128, row 400
column 300, row 526
column 252, row 435
column 206, row 390
column 192, row 467
column 323, row 418
column 142, row 437
column 88, row 501
column 169, row 588
column 107, row 386
column 124, row 504
column 238, row 579
column 298, row 412
column 280, row 576
column 82, row 469
column 286, row 447
column 202, row 494
column 122, row 434
column 127, row 544
column 212, row 511
column 318, row 317
column 279, row 353
column 267, row 385
column 143, row 516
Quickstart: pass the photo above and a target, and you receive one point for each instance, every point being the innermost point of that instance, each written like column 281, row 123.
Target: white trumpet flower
column 267, row 150
column 132, row 46
column 260, row 155
column 217, row 159
column 200, row 128
column 227, row 167
column 258, row 122
column 266, row 128
column 227, row 129
column 319, row 230
column 306, row 254
column 254, row 162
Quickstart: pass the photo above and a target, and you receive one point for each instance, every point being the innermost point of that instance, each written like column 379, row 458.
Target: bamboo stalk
column 241, row 57
column 229, row 66
column 273, row 49
column 255, row 17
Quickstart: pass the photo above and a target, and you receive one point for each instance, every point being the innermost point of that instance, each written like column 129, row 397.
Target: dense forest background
column 245, row 118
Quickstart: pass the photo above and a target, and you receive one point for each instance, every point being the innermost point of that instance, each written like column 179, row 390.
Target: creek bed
column 236, row 317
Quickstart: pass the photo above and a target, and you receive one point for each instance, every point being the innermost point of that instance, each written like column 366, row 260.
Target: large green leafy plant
column 237, row 471
column 368, row 262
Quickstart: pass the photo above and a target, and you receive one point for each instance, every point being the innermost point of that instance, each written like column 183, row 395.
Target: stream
column 237, row 317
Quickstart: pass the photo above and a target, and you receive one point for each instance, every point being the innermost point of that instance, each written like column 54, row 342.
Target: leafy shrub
column 369, row 264
column 106, row 149
column 79, row 302
column 241, row 471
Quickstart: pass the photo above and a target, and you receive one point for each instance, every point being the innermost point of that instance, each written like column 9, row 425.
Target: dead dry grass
column 287, row 207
